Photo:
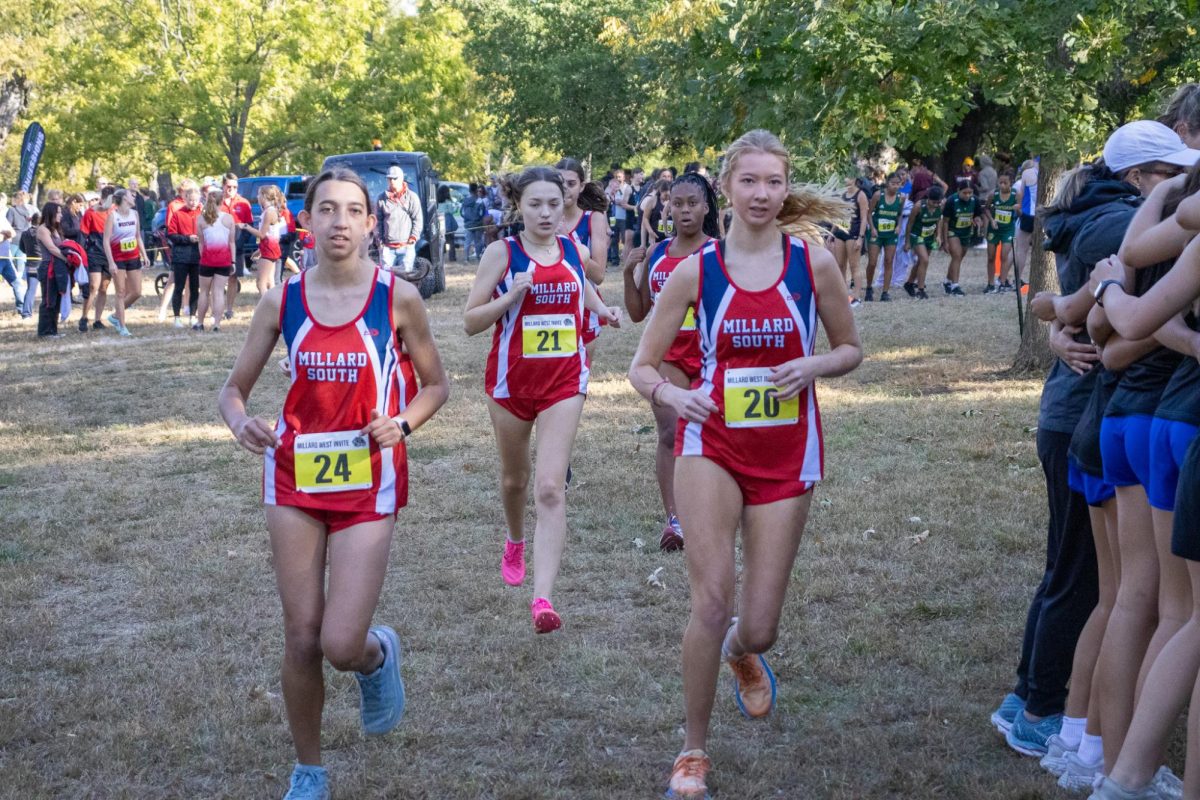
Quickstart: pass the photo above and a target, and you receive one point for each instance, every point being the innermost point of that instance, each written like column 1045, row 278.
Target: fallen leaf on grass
column 917, row 538
column 260, row 693
column 645, row 429
column 972, row 412
column 868, row 533
column 1030, row 429
column 231, row 553
column 653, row 579
column 639, row 544
column 915, row 520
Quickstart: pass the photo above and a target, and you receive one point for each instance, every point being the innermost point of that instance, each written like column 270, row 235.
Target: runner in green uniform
column 886, row 207
column 921, row 239
column 962, row 218
column 1001, row 228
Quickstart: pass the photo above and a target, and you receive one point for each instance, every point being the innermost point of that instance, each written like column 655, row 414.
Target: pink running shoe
column 512, row 566
column 545, row 618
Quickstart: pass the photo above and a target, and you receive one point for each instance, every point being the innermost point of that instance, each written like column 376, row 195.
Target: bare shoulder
column 405, row 296
column 821, row 260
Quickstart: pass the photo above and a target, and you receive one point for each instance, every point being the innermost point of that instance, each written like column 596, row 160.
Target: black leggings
column 191, row 274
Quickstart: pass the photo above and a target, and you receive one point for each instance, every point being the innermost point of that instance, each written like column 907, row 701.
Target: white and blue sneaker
column 382, row 692
column 308, row 783
column 1055, row 760
column 1078, row 776
column 1010, row 706
column 1029, row 738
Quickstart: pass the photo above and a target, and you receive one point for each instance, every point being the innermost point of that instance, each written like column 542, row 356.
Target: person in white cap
column 401, row 221
column 1085, row 224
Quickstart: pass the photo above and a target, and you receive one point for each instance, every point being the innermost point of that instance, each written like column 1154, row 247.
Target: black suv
column 372, row 167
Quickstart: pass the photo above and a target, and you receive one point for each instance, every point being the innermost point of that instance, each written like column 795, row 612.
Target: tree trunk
column 1034, row 356
column 14, row 97
column 166, row 191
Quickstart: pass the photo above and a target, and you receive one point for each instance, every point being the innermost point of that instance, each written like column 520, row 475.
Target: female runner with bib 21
column 749, row 441
column 532, row 288
column 335, row 467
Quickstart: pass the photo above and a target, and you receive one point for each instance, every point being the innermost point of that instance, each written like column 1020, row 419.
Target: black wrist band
column 405, row 428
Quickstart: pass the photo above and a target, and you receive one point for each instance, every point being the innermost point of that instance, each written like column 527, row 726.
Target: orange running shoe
column 753, row 685
column 687, row 776
column 545, row 618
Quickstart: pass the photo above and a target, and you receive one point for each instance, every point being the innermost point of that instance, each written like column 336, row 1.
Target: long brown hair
column 803, row 209
column 591, row 195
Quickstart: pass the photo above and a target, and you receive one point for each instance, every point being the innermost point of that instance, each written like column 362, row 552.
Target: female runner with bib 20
column 532, row 288
column 694, row 208
column 749, row 440
column 335, row 467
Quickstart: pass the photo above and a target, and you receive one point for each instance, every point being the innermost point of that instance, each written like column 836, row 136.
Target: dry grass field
column 140, row 631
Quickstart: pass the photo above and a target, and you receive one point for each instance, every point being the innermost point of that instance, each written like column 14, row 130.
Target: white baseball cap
column 395, row 172
column 1144, row 141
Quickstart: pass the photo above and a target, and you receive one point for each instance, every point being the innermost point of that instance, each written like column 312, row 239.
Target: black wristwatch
column 1102, row 288
column 404, row 427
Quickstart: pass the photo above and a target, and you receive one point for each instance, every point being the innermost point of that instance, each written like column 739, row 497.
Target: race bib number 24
column 332, row 462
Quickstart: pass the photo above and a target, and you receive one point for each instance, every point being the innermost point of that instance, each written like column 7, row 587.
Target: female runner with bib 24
column 532, row 288
column 749, row 443
column 335, row 466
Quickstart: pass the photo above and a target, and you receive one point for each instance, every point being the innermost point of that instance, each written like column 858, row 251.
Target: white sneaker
column 192, row 321
column 1078, row 776
column 1055, row 760
column 178, row 322
column 1167, row 783
column 162, row 315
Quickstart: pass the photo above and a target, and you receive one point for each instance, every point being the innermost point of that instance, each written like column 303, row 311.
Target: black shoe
column 990, row 289
column 921, row 295
column 911, row 288
column 1007, row 287
column 884, row 298
column 83, row 326
column 958, row 292
column 198, row 328
column 870, row 296
column 98, row 325
column 946, row 285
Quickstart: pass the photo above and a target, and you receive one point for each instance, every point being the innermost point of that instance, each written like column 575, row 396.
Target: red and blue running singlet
column 340, row 374
column 537, row 348
column 685, row 350
column 582, row 234
column 743, row 336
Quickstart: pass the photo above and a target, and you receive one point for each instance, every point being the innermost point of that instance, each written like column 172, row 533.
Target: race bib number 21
column 548, row 336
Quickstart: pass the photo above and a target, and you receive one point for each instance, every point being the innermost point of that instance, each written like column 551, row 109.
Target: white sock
column 1072, row 731
column 1091, row 749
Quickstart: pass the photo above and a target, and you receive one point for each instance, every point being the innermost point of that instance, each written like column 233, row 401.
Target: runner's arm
column 253, row 433
column 595, row 266
column 636, row 299
column 412, row 324
column 833, row 308
column 482, row 309
column 678, row 293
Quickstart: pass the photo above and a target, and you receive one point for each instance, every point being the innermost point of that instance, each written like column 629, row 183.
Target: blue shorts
column 1169, row 441
column 1093, row 489
column 1125, row 449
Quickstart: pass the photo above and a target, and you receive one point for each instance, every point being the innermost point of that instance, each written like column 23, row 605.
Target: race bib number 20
column 751, row 400
column 332, row 462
